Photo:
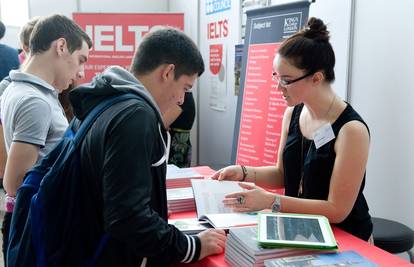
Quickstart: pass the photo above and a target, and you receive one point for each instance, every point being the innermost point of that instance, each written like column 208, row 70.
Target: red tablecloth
column 345, row 241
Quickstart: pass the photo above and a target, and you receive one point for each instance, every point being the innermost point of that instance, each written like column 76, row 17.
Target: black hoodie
column 123, row 170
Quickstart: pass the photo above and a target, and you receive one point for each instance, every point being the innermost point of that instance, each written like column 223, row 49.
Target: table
column 345, row 241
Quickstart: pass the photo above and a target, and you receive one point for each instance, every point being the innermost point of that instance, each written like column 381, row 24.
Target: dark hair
column 310, row 49
column 64, row 101
column 51, row 28
column 26, row 31
column 2, row 29
column 168, row 46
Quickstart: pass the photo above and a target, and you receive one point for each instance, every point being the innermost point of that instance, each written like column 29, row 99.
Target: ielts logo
column 110, row 38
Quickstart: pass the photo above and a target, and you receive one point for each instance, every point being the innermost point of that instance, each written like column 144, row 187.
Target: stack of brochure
column 179, row 192
column 180, row 199
column 180, row 177
column 242, row 248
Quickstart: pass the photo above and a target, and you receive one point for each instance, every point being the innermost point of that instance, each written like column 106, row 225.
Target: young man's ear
column 168, row 72
column 61, row 46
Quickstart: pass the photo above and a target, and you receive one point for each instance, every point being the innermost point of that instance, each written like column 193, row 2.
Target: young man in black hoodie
column 123, row 157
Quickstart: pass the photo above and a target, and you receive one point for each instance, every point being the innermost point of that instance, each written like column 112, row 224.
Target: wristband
column 244, row 170
column 9, row 203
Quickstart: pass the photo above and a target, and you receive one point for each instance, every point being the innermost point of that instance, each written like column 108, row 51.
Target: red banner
column 216, row 57
column 262, row 110
column 115, row 36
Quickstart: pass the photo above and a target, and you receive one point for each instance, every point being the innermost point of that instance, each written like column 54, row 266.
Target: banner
column 216, row 58
column 238, row 56
column 260, row 105
column 116, row 36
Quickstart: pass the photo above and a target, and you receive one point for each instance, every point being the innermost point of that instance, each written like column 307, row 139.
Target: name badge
column 323, row 135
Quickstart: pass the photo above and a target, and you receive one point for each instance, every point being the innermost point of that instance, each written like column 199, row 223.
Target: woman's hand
column 255, row 199
column 231, row 173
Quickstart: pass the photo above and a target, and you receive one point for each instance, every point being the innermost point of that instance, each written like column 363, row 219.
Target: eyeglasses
column 285, row 83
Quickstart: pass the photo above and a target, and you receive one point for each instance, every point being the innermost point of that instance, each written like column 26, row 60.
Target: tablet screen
column 294, row 229
column 299, row 230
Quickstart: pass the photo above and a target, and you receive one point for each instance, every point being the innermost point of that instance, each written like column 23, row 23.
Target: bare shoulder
column 288, row 114
column 354, row 130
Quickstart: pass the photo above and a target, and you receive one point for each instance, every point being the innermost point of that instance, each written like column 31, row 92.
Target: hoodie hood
column 113, row 81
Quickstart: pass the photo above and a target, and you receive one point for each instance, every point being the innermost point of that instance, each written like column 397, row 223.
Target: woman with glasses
column 323, row 147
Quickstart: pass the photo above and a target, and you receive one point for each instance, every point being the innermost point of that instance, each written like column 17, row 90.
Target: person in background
column 123, row 157
column 32, row 117
column 64, row 101
column 323, row 147
column 24, row 38
column 179, row 120
column 9, row 59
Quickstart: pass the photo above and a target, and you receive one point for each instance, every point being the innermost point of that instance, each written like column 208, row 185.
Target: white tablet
column 295, row 230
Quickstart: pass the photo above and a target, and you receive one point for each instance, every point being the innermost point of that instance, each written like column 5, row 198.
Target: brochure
column 189, row 226
column 345, row 258
column 209, row 194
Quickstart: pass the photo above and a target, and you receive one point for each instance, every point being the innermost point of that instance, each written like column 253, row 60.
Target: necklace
column 302, row 159
column 326, row 115
column 302, row 166
column 330, row 107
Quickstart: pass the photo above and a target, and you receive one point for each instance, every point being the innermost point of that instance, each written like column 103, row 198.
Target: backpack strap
column 94, row 114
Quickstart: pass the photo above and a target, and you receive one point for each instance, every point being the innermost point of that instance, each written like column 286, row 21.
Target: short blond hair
column 26, row 31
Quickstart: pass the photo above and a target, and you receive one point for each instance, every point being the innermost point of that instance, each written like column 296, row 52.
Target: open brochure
column 295, row 230
column 209, row 195
column 345, row 258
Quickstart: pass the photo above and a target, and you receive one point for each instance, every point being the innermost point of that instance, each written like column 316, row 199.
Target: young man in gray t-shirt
column 33, row 120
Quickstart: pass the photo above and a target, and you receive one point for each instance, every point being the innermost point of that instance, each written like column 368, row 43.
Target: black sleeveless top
column 186, row 119
column 317, row 170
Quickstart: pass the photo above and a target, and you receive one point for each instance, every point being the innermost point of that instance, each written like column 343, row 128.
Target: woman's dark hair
column 310, row 49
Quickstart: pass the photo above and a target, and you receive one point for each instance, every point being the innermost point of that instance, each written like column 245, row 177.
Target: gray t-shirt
column 31, row 113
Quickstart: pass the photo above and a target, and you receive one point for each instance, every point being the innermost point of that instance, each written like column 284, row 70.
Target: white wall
column 337, row 15
column 123, row 6
column 382, row 91
column 47, row 7
column 11, row 37
column 190, row 10
column 216, row 127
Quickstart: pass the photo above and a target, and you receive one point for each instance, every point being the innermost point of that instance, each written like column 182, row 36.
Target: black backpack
column 48, row 218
